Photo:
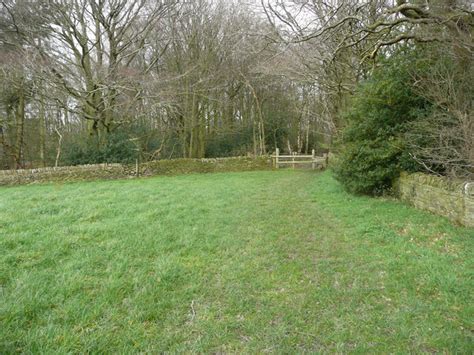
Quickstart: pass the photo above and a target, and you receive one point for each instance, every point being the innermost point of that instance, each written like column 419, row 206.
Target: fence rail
column 296, row 159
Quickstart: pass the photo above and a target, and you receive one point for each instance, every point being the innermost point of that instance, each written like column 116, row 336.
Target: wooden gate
column 295, row 160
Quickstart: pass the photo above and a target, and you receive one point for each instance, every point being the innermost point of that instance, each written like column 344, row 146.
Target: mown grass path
column 244, row 262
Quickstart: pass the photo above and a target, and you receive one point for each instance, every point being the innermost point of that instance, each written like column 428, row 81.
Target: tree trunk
column 42, row 133
column 20, row 127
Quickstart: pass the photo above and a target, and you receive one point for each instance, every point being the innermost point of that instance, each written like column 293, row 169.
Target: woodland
column 386, row 85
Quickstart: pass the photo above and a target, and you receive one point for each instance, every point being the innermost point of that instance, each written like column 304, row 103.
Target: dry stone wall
column 62, row 174
column 119, row 171
column 452, row 199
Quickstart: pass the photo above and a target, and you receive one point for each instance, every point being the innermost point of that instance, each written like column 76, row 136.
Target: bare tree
column 91, row 48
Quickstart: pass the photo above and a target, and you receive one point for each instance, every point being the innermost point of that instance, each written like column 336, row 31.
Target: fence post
column 313, row 164
column 293, row 160
column 277, row 153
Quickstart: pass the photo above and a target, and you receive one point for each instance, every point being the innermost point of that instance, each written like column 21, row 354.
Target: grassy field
column 242, row 262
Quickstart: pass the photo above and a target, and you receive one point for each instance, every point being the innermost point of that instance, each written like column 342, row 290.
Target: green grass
column 240, row 262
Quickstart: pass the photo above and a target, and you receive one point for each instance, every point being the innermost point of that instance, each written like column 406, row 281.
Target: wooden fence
column 298, row 159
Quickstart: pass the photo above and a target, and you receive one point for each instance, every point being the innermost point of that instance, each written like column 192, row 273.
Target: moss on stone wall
column 450, row 198
column 435, row 181
column 119, row 171
column 186, row 166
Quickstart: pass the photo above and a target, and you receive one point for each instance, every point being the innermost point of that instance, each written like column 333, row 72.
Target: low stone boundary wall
column 62, row 174
column 452, row 199
column 123, row 171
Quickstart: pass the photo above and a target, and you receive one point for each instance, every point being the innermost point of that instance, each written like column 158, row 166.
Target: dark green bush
column 116, row 148
column 229, row 143
column 372, row 148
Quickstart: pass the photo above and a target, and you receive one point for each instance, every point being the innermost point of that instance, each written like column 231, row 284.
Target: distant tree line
column 86, row 81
